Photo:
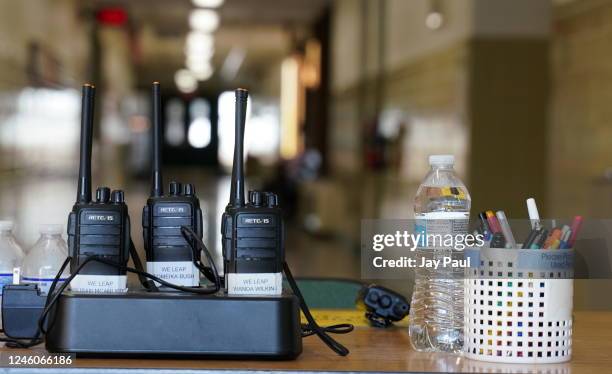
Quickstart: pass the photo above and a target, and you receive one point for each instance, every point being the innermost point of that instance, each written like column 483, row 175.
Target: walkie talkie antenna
column 157, row 188
column 237, row 191
column 87, row 110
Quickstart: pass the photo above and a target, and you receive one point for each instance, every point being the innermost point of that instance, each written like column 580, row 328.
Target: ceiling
column 265, row 29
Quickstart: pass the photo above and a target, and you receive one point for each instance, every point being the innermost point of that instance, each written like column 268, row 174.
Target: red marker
column 576, row 223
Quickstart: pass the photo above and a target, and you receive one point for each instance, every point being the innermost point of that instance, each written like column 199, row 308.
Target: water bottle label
column 440, row 223
column 43, row 283
column 181, row 273
column 5, row 278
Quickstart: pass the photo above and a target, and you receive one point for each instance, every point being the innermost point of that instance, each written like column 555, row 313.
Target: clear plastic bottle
column 441, row 206
column 46, row 257
column 11, row 255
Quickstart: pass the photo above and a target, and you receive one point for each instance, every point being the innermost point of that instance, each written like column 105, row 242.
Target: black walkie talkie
column 169, row 255
column 96, row 228
column 253, row 236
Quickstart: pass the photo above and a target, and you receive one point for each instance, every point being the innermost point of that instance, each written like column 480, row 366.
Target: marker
column 564, row 239
column 553, row 239
column 530, row 238
column 493, row 224
column 505, row 228
column 498, row 240
column 486, row 230
column 534, row 216
column 576, row 224
column 539, row 240
column 564, row 229
column 555, row 244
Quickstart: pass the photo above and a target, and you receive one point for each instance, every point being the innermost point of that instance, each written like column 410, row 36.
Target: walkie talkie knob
column 272, row 199
column 189, row 189
column 117, row 197
column 102, row 194
column 256, row 198
column 175, row 188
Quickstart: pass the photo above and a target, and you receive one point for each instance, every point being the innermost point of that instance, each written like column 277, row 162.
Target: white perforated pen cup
column 518, row 305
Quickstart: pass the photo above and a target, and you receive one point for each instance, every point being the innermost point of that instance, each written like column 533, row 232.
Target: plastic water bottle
column 441, row 207
column 46, row 257
column 11, row 255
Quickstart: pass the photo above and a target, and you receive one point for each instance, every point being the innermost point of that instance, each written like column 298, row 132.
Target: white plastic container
column 46, row 257
column 11, row 255
column 518, row 305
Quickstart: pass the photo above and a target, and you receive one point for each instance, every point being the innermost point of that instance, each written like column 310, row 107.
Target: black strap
column 312, row 328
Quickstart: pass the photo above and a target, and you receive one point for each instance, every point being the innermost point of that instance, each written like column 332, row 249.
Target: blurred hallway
column 349, row 98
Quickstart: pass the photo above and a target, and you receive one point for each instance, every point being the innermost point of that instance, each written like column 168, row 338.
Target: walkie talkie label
column 89, row 217
column 254, row 283
column 254, row 220
column 174, row 209
column 180, row 273
column 92, row 283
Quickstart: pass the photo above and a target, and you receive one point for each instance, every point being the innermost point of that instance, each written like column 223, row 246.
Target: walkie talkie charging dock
column 182, row 324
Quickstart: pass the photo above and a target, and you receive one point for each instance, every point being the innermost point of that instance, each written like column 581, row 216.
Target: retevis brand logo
column 172, row 209
column 100, row 217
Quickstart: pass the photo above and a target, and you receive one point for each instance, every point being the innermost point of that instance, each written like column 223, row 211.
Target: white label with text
column 181, row 273
column 254, row 283
column 99, row 283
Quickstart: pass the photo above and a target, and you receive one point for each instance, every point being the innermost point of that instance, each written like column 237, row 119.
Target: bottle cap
column 6, row 225
column 50, row 228
column 441, row 160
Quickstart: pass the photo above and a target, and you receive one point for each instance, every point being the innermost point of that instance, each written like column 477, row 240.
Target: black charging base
column 169, row 324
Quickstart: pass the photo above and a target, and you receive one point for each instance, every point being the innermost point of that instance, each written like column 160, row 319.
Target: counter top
column 379, row 350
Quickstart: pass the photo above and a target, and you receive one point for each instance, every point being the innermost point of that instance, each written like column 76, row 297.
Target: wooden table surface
column 377, row 350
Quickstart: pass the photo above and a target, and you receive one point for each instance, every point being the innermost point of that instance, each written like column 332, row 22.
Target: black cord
column 312, row 328
column 148, row 284
column 211, row 272
column 341, row 328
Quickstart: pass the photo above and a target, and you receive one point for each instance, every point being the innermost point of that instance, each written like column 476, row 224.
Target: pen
column 505, row 228
column 534, row 216
column 576, row 223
